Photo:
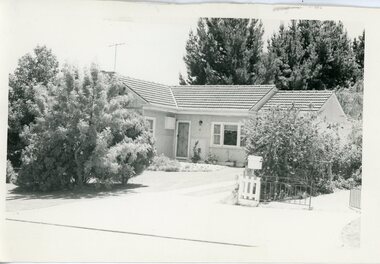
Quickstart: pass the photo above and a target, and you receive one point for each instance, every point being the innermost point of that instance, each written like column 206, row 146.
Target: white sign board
column 255, row 162
column 169, row 122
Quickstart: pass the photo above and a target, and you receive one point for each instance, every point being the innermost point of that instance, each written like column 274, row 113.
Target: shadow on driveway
column 89, row 191
column 18, row 199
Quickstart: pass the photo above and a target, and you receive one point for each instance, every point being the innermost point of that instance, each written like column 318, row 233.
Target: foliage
column 312, row 55
column 26, row 92
column 358, row 46
column 291, row 144
column 305, row 55
column 11, row 175
column 323, row 186
column 224, row 51
column 341, row 183
column 87, row 132
column 351, row 100
column 196, row 153
column 163, row 163
column 348, row 161
column 211, row 158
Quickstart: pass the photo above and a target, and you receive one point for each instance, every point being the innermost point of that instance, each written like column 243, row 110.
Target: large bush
column 86, row 133
column 292, row 144
column 33, row 70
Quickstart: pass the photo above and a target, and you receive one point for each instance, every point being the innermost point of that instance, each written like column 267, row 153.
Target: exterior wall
column 202, row 134
column 165, row 138
column 332, row 111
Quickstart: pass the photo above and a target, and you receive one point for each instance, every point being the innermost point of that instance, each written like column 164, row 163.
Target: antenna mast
column 115, row 45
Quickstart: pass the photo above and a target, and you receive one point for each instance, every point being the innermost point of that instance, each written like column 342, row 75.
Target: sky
column 81, row 34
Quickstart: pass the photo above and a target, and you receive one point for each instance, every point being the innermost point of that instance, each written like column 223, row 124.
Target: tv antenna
column 115, row 45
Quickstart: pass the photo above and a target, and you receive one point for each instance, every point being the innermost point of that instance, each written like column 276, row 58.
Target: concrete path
column 182, row 224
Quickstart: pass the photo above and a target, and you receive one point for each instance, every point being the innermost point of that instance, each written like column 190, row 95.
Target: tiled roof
column 237, row 97
column 151, row 92
column 228, row 97
column 303, row 100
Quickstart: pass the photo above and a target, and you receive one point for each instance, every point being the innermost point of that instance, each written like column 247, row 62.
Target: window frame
column 222, row 124
column 153, row 119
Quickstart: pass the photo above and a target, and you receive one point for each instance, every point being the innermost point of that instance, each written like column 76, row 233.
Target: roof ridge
column 141, row 80
column 213, row 85
column 175, row 100
column 305, row 91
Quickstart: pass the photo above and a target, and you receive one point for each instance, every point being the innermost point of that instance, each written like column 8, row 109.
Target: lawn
column 149, row 181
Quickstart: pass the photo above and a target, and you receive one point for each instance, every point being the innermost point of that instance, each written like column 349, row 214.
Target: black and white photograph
column 135, row 133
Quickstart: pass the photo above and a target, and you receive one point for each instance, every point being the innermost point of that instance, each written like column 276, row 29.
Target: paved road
column 181, row 224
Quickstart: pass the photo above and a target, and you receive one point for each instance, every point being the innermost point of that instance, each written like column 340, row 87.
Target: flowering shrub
column 87, row 133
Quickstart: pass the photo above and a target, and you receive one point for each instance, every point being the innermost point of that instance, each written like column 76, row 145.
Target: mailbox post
column 250, row 185
column 255, row 162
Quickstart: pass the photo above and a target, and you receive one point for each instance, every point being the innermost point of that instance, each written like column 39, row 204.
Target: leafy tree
column 87, row 132
column 224, row 51
column 358, row 47
column 33, row 71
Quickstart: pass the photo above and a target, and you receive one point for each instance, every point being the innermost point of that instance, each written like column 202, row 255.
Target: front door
column 183, row 139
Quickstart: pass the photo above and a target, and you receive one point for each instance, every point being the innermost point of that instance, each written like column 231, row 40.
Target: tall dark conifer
column 312, row 55
column 224, row 51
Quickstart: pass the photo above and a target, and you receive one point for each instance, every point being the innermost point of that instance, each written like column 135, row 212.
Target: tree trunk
column 78, row 170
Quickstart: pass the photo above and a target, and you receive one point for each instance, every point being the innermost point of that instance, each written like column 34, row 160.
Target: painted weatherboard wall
column 202, row 134
column 164, row 137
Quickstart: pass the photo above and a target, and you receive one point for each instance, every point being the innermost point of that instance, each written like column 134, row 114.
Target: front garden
column 302, row 146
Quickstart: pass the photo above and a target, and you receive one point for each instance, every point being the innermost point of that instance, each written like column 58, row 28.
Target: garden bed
column 163, row 163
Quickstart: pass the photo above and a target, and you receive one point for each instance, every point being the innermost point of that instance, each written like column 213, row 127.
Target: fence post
column 258, row 189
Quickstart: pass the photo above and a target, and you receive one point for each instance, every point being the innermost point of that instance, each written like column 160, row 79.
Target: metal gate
column 355, row 198
column 284, row 189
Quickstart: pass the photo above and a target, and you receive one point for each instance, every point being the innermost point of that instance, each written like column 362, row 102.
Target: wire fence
column 288, row 190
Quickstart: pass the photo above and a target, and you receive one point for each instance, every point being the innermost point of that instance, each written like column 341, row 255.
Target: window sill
column 226, row 147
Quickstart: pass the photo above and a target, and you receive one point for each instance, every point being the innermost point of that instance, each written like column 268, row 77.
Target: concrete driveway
column 178, row 224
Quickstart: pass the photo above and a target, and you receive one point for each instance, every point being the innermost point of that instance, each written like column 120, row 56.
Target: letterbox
column 255, row 162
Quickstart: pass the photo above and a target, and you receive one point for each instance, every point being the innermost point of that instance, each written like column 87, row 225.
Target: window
column 217, row 134
column 230, row 135
column 151, row 121
column 226, row 134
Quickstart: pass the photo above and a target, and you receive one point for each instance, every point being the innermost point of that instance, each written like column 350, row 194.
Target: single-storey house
column 179, row 116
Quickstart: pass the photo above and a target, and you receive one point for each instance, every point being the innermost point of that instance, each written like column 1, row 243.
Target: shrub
column 348, row 162
column 163, row 163
column 87, row 132
column 211, row 158
column 292, row 145
column 341, row 183
column 196, row 153
column 323, row 186
column 351, row 100
column 11, row 175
